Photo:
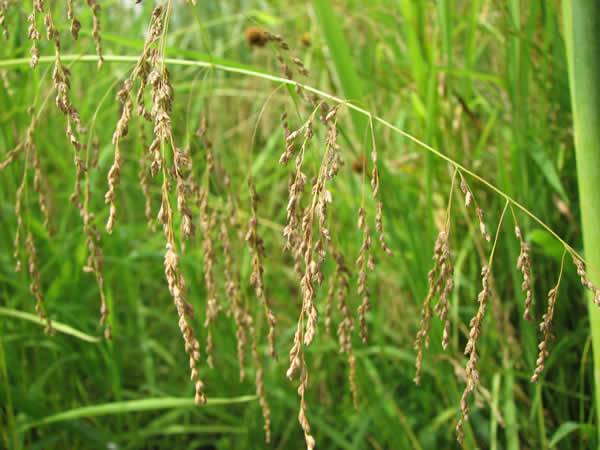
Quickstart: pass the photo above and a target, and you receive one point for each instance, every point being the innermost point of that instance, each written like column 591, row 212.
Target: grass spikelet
column 546, row 325
column 257, row 248
column 95, row 7
column 114, row 173
column 95, row 263
column 161, row 99
column 346, row 325
column 75, row 24
column 232, row 290
column 585, row 281
column 208, row 224
column 39, row 187
column 471, row 370
column 472, row 373
column 439, row 275
column 33, row 32
column 333, row 281
column 379, row 229
column 177, row 286
column 61, row 76
column 546, row 329
column 143, row 172
column 363, row 262
column 302, row 418
column 35, row 285
column 524, row 265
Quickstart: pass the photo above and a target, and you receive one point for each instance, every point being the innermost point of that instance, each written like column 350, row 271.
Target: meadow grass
column 363, row 86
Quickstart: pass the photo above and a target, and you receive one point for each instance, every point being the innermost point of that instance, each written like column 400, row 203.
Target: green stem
column 582, row 26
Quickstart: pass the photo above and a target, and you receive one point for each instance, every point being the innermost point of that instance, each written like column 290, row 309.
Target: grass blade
column 582, row 24
column 60, row 327
column 332, row 32
column 148, row 404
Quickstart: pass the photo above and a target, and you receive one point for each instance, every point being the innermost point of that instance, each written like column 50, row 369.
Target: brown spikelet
column 208, row 224
column 346, row 325
column 585, row 281
column 95, row 7
column 114, row 173
column 75, row 24
column 162, row 101
column 95, row 257
column 472, row 373
column 39, row 186
column 524, row 265
column 333, row 281
column 144, row 171
column 364, row 262
column 33, row 32
column 177, row 287
column 546, row 329
column 61, row 77
column 257, row 248
column 232, row 291
column 379, row 229
column 302, row 418
column 182, row 164
column 444, row 286
column 35, row 285
column 439, row 281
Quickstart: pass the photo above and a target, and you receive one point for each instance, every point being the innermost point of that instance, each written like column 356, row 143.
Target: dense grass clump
column 248, row 195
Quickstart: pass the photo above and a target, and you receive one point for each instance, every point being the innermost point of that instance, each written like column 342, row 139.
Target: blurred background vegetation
column 484, row 81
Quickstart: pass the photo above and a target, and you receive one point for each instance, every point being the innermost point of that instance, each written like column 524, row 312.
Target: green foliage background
column 485, row 82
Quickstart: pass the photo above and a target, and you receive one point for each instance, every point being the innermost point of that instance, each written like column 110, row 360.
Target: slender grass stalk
column 582, row 25
column 225, row 67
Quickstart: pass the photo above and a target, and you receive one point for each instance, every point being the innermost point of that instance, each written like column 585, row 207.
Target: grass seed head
column 546, row 329
column 524, row 265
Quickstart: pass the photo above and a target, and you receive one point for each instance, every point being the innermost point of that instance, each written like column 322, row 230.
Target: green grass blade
column 582, row 25
column 58, row 326
column 330, row 27
column 148, row 404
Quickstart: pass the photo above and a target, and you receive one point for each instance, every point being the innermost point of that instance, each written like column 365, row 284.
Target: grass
column 484, row 83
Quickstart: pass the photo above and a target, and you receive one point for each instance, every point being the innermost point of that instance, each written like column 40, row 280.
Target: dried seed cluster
column 524, row 265
column 440, row 279
column 546, row 329
column 472, row 373
column 256, row 245
column 585, row 281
